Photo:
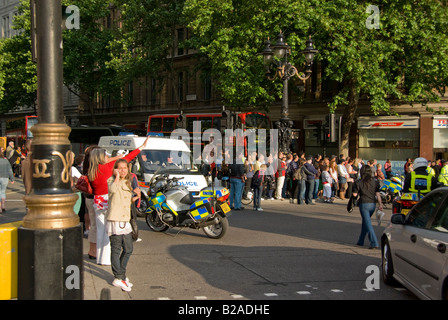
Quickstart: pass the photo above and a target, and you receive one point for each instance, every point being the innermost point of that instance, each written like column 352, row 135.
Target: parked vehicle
column 414, row 247
column 171, row 205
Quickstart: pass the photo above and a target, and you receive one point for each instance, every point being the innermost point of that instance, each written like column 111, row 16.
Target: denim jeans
column 366, row 210
column 236, row 192
column 3, row 184
column 302, row 190
column 121, row 249
column 258, row 191
column 310, row 191
column 316, row 188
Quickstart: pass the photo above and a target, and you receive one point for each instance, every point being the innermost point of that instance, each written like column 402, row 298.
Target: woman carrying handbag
column 368, row 190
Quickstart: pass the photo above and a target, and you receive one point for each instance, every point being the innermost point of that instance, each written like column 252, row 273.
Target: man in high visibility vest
column 430, row 169
column 419, row 180
column 443, row 176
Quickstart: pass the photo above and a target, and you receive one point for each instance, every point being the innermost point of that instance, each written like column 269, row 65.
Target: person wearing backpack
column 257, row 186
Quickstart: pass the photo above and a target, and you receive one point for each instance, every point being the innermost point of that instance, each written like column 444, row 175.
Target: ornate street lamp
column 276, row 62
column 50, row 240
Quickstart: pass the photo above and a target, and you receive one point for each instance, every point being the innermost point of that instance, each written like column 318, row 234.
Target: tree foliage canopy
column 405, row 59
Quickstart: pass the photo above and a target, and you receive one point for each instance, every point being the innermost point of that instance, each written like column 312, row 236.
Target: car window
column 440, row 222
column 424, row 210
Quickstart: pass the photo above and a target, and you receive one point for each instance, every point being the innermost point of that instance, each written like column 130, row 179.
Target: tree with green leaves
column 18, row 79
column 85, row 56
column 146, row 41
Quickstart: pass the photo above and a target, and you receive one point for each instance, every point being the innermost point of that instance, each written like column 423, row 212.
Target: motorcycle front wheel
column 154, row 223
column 141, row 210
column 218, row 230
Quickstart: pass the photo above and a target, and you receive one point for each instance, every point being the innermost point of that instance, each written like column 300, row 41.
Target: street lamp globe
column 280, row 47
column 309, row 51
column 268, row 54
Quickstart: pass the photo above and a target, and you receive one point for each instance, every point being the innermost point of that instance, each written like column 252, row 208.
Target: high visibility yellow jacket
column 443, row 176
column 420, row 181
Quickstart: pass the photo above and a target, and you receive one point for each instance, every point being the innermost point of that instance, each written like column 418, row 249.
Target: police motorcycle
column 391, row 189
column 403, row 203
column 171, row 205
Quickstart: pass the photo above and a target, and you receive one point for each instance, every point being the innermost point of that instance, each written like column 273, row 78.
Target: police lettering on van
column 171, row 156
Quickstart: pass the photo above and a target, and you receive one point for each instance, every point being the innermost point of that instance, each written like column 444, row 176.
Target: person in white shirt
column 342, row 178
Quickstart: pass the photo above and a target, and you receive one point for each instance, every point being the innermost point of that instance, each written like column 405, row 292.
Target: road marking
column 336, row 290
column 200, row 297
column 236, row 296
column 271, row 294
column 163, row 298
column 303, row 292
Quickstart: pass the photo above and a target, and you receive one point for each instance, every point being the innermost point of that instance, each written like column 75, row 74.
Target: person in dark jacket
column 237, row 181
column 368, row 190
column 310, row 179
column 419, row 180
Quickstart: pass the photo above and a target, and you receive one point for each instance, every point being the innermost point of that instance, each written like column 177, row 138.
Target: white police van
column 171, row 156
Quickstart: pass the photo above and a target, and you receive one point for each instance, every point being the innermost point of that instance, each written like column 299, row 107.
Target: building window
column 6, row 31
column 153, row 91
column 207, row 86
column 180, row 39
column 180, row 86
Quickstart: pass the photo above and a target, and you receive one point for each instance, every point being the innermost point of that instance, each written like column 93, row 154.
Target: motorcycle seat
column 188, row 199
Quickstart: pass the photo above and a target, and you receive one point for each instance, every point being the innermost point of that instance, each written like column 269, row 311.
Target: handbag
column 352, row 202
column 133, row 222
column 83, row 185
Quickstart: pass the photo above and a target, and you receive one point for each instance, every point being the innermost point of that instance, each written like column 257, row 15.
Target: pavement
column 97, row 278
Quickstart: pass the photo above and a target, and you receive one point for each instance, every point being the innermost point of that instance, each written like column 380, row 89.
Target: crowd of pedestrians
column 300, row 178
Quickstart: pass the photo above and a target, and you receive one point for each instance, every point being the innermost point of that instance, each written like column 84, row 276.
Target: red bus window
column 168, row 124
column 155, row 125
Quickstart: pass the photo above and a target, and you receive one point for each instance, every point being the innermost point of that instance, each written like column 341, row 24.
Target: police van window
column 424, row 211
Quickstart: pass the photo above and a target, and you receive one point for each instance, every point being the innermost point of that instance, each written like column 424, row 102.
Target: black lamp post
column 50, row 239
column 277, row 65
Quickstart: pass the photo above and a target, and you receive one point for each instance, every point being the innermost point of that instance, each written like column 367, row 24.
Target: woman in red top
column 100, row 169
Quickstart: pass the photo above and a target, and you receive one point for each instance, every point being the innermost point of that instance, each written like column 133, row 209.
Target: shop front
column 440, row 140
column 394, row 138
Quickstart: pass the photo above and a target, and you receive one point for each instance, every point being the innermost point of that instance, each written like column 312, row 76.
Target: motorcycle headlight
column 160, row 184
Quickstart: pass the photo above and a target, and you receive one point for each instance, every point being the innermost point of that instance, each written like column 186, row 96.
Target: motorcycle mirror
column 154, row 175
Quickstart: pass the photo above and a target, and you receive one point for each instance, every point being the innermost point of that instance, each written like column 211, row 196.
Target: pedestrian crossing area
column 307, row 292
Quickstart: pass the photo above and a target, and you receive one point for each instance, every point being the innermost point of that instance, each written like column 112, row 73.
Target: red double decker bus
column 165, row 124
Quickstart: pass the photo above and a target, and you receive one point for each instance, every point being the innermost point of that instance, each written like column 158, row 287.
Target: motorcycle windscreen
column 200, row 210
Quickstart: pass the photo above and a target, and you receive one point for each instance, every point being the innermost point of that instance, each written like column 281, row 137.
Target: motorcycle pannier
column 200, row 210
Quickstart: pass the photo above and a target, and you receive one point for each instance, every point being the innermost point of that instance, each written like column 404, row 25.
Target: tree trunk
column 348, row 117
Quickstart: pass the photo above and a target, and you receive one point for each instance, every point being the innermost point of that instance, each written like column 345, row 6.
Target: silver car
column 414, row 247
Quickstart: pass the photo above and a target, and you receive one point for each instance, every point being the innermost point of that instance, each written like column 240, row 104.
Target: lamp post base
column 50, row 265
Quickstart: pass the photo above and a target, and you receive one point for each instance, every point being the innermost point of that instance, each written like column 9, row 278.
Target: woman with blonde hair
column 333, row 170
column 100, row 169
column 119, row 229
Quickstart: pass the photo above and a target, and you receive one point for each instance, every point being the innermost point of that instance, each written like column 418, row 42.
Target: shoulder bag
column 83, row 185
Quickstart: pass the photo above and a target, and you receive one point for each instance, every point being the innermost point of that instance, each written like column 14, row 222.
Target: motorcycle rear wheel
column 218, row 230
column 154, row 223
